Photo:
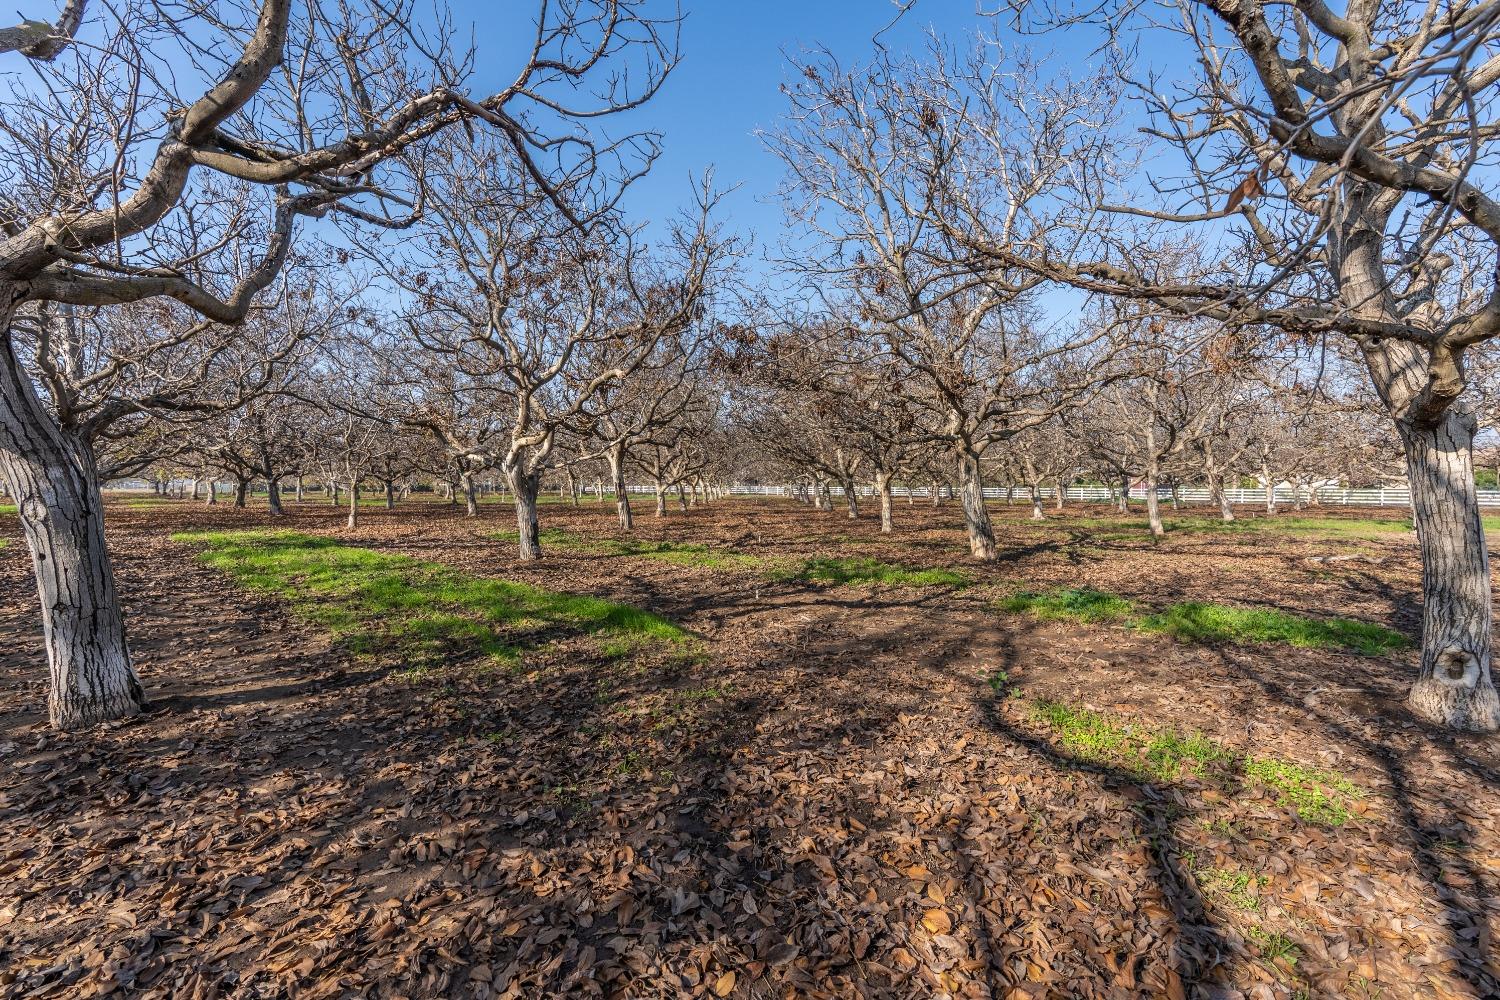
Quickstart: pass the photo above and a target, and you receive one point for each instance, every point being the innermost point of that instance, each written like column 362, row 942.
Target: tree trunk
column 1153, row 502
column 55, row 485
column 661, row 499
column 213, row 493
column 976, row 514
column 1226, row 509
column 1455, row 687
column 851, row 499
column 616, row 461
column 682, row 498
column 301, row 492
column 1265, row 475
column 1124, row 505
column 471, row 498
column 241, row 490
column 1217, row 492
column 390, row 494
column 333, row 493
column 528, row 530
column 273, row 495
column 883, row 487
column 353, row 520
column 1061, row 497
column 1037, row 513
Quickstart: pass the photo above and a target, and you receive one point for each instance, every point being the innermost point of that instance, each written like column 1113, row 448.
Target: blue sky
column 734, row 60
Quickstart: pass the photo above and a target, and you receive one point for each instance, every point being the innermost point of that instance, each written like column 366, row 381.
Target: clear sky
column 734, row 59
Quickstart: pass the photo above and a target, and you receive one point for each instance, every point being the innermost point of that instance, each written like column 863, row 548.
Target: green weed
column 1078, row 604
column 1315, row 796
column 374, row 601
column 1200, row 621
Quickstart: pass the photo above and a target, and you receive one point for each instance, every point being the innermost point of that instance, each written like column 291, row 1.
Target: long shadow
column 1199, row 949
column 1464, row 918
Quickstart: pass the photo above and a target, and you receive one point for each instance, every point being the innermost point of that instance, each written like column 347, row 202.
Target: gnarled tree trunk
column 528, row 529
column 976, row 514
column 54, row 482
column 1455, row 687
column 616, row 459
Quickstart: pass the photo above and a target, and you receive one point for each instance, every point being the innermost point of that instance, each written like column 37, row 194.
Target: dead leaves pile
column 481, row 836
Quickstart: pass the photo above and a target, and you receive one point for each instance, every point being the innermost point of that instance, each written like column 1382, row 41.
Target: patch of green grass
column 1274, row 945
column 1326, row 528
column 1078, row 604
column 1090, row 735
column 856, row 570
column 1198, row 621
column 1169, row 752
column 374, row 601
column 8, row 508
column 1315, row 796
column 1236, row 888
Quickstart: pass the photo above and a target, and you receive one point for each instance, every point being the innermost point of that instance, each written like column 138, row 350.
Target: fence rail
column 1193, row 495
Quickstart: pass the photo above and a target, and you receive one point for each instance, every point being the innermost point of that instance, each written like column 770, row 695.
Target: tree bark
column 1037, row 514
column 390, row 494
column 976, row 514
column 661, row 499
column 528, row 531
column 1454, row 687
column 851, row 499
column 471, row 500
column 1124, row 502
column 273, row 496
column 241, row 490
column 1153, row 502
column 213, row 493
column 682, row 502
column 55, row 484
column 301, row 492
column 353, row 520
column 883, row 487
column 616, row 459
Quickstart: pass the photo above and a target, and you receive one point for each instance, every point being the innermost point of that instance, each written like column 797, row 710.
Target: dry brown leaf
column 937, row 921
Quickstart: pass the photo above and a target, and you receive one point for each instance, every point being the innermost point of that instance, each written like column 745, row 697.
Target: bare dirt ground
column 833, row 801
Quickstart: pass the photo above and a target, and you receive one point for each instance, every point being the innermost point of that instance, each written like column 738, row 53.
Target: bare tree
column 869, row 158
column 545, row 314
column 171, row 159
column 1330, row 162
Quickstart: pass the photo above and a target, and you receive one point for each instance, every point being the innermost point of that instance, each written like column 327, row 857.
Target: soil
column 846, row 795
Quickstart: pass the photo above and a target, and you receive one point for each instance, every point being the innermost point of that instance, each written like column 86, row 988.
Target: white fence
column 1193, row 495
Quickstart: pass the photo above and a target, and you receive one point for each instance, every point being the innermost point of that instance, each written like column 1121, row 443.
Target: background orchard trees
column 544, row 313
column 171, row 158
column 1340, row 161
column 868, row 160
column 1045, row 455
column 625, row 415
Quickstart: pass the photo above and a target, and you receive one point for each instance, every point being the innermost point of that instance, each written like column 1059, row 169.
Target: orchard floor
column 846, row 791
